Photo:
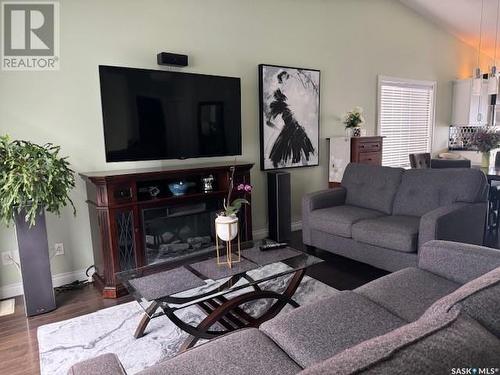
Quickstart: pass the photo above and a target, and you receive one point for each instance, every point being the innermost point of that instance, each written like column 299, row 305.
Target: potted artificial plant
column 226, row 223
column 353, row 121
column 33, row 179
column 485, row 140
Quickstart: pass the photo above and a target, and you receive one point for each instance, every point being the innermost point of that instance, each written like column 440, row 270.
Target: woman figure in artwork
column 292, row 143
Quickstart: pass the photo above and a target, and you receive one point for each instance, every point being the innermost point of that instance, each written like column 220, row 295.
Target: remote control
column 273, row 246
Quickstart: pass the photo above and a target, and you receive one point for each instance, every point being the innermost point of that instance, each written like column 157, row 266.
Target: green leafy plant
column 33, row 178
column 354, row 118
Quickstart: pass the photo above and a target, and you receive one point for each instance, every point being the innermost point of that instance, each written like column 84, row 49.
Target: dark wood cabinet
column 117, row 201
column 366, row 150
column 342, row 150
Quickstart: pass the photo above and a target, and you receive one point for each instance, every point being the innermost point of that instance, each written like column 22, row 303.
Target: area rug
column 110, row 330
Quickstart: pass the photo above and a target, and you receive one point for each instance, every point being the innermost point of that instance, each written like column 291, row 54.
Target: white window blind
column 405, row 119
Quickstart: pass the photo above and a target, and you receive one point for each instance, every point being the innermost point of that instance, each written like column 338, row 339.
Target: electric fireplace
column 172, row 232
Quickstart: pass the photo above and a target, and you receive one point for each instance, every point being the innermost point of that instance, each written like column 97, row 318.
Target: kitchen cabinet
column 468, row 109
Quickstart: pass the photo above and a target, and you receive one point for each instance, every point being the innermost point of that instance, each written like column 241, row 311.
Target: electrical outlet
column 59, row 249
column 7, row 258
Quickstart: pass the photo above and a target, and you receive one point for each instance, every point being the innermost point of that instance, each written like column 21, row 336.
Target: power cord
column 77, row 284
column 87, row 271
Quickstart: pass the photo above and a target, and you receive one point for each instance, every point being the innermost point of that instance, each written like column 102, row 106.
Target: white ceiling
column 462, row 18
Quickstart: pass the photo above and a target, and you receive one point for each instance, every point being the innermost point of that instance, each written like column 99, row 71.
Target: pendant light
column 477, row 80
column 493, row 78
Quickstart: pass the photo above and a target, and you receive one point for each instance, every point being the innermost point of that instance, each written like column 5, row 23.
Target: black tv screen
column 155, row 114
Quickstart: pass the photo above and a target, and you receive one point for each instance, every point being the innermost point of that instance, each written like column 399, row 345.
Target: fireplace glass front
column 173, row 232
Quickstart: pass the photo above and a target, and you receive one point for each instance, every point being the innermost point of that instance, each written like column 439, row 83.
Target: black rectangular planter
column 35, row 265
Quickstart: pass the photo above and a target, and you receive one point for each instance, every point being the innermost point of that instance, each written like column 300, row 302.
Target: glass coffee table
column 219, row 291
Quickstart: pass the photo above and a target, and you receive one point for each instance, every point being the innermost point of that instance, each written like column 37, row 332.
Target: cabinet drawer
column 369, row 147
column 120, row 193
column 374, row 158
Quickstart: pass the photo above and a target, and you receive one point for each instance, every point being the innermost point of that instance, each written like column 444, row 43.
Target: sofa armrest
column 315, row 201
column 105, row 364
column 324, row 199
column 459, row 222
column 457, row 262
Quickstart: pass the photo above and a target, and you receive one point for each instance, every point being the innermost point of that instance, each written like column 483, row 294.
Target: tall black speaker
column 35, row 265
column 279, row 206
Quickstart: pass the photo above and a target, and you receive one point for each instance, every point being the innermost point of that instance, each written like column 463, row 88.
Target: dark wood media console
column 118, row 201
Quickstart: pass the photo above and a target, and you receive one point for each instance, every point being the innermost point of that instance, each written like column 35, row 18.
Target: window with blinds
column 405, row 119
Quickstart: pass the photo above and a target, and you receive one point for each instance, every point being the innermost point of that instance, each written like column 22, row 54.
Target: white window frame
column 405, row 82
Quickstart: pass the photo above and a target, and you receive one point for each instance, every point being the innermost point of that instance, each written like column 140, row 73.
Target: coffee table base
column 226, row 312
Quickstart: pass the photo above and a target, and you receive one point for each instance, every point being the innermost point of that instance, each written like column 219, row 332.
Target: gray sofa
column 442, row 314
column 382, row 215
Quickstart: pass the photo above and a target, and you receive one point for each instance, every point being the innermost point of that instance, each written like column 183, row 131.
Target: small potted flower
column 352, row 121
column 226, row 223
column 485, row 140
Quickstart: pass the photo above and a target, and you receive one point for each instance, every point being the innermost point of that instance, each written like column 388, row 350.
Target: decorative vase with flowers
column 353, row 121
column 485, row 140
column 226, row 222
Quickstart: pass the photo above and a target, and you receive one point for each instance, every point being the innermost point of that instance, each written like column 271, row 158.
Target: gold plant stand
column 229, row 248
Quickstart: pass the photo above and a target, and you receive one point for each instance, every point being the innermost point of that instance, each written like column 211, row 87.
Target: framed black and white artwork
column 289, row 117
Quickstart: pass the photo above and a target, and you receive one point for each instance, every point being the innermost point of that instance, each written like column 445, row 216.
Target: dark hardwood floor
column 18, row 340
column 338, row 272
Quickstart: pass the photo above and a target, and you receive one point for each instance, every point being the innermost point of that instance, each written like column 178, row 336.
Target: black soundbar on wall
column 174, row 59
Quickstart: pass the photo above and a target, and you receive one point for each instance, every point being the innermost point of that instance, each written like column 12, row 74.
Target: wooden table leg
column 226, row 308
column 139, row 332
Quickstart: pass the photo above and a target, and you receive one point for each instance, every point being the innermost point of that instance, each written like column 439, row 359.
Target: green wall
column 350, row 41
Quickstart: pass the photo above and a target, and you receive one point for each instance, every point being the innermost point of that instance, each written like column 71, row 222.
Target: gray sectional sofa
column 381, row 215
column 442, row 314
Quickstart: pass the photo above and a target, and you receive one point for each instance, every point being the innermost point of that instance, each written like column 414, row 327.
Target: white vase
column 226, row 227
column 356, row 131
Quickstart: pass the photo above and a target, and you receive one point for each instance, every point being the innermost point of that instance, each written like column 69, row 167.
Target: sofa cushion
column 392, row 232
column 243, row 352
column 456, row 261
column 423, row 190
column 371, row 186
column 407, row 293
column 317, row 331
column 338, row 220
column 485, row 308
column 104, row 364
column 435, row 345
column 479, row 298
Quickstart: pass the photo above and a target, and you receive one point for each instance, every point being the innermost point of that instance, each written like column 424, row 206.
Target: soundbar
column 167, row 58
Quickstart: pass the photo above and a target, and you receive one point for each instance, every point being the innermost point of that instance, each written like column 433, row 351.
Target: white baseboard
column 16, row 289
column 260, row 234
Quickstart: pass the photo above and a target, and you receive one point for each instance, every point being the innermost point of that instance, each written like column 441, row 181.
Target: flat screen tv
column 156, row 114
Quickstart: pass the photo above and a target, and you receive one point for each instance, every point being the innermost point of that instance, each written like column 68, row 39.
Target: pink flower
column 248, row 188
column 240, row 187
